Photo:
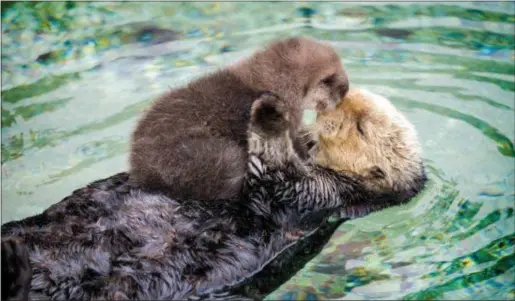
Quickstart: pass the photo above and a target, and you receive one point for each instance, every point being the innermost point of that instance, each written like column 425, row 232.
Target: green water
column 76, row 76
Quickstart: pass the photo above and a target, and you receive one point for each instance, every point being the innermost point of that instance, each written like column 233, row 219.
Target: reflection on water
column 76, row 76
column 440, row 247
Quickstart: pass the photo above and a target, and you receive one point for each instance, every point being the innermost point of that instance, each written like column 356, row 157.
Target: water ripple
column 77, row 75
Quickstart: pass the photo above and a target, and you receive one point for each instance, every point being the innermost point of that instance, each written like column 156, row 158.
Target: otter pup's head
column 366, row 135
column 297, row 70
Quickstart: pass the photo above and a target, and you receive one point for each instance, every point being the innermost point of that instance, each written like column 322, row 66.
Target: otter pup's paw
column 269, row 115
column 16, row 270
column 306, row 144
column 269, row 134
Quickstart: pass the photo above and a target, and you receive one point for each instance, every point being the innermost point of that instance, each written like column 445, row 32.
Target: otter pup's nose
column 343, row 89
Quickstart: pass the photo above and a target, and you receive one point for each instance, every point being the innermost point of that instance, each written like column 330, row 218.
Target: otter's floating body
column 110, row 240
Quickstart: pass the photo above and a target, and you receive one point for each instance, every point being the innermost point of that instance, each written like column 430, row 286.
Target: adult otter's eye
column 359, row 127
column 330, row 80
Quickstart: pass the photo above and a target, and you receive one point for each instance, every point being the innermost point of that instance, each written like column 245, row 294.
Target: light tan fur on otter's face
column 368, row 136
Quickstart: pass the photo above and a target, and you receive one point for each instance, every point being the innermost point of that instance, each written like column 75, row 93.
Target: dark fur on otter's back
column 192, row 142
column 113, row 241
column 16, row 270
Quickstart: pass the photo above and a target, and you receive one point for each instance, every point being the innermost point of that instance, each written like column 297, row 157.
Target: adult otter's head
column 366, row 135
column 297, row 70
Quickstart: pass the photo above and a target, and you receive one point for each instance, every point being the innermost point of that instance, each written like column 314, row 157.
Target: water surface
column 76, row 77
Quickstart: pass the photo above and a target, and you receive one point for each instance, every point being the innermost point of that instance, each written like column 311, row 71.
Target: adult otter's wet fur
column 16, row 270
column 111, row 240
column 192, row 142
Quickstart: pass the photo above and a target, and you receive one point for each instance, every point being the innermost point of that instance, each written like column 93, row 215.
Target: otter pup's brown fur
column 192, row 142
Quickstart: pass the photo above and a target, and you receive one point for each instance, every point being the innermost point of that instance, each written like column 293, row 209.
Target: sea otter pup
column 192, row 142
column 110, row 240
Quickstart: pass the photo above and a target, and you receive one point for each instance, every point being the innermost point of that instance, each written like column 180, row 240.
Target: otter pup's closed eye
column 191, row 144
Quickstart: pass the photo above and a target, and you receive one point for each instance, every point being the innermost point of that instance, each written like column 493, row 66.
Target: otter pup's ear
column 270, row 138
column 269, row 115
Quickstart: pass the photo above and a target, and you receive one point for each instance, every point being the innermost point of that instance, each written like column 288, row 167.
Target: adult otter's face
column 368, row 136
